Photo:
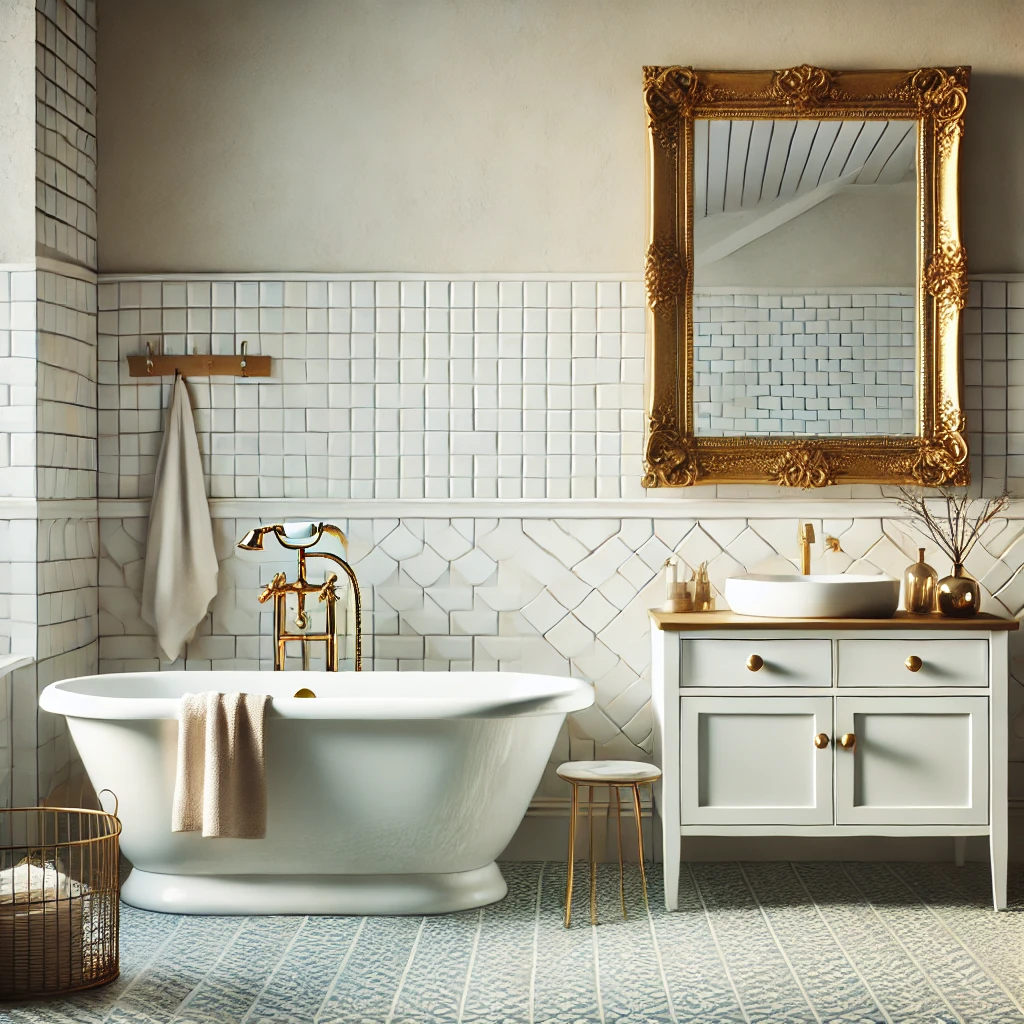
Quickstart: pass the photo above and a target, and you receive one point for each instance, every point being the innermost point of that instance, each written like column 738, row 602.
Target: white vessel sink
column 844, row 596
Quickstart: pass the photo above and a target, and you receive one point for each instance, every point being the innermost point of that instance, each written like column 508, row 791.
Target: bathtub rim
column 564, row 695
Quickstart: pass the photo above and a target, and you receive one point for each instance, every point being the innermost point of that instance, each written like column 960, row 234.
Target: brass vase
column 920, row 581
column 959, row 594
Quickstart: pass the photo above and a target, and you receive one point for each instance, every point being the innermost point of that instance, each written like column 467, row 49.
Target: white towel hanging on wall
column 181, row 563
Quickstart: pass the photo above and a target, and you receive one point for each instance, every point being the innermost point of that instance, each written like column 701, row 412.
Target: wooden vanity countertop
column 697, row 621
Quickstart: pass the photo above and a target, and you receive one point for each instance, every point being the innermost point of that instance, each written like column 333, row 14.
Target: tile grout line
column 661, row 966
column 469, row 968
column 536, row 938
column 341, row 967
column 842, row 948
column 195, row 988
column 138, row 977
column 405, row 973
column 270, row 977
column 718, row 948
column 899, row 941
column 785, row 956
column 963, row 945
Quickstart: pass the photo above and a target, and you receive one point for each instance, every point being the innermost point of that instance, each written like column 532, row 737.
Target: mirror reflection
column 805, row 264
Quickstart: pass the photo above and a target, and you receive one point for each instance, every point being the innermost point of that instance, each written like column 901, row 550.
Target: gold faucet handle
column 806, row 533
column 271, row 589
column 832, row 543
column 327, row 591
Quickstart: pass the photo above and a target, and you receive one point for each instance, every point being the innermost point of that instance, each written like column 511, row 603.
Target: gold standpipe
column 755, row 663
column 821, row 740
column 279, row 589
column 848, row 741
column 913, row 663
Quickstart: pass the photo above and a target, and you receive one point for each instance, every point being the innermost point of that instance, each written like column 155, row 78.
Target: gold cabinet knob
column 821, row 741
column 755, row 662
column 913, row 663
column 848, row 741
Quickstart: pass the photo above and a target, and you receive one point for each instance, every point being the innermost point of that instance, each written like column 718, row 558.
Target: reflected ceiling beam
column 743, row 164
column 742, row 228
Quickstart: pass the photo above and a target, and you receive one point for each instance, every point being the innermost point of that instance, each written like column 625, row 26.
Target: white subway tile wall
column 65, row 445
column 17, row 383
column 48, row 567
column 783, row 364
column 387, row 389
column 66, row 128
column 67, row 637
column 460, row 389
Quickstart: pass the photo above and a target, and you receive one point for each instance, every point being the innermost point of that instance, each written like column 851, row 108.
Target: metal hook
column 149, row 358
column 245, row 345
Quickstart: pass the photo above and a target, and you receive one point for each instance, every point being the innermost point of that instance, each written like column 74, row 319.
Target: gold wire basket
column 59, row 890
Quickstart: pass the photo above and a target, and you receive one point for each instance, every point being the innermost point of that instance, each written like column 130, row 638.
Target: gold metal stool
column 614, row 775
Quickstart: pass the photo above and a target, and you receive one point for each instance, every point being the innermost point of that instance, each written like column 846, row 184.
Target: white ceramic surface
column 389, row 793
column 841, row 596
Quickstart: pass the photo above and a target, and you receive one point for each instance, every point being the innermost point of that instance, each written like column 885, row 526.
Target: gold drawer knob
column 913, row 663
column 755, row 662
column 848, row 741
column 821, row 741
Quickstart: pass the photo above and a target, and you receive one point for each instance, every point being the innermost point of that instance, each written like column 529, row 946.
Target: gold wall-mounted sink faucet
column 300, row 539
column 805, row 534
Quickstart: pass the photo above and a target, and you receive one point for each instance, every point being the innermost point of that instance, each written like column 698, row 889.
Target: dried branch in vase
column 956, row 527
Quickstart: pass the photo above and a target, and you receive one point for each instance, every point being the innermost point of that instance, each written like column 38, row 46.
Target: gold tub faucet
column 300, row 537
column 805, row 534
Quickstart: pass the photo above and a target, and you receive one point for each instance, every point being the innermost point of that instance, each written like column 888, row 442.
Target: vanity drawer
column 891, row 662
column 756, row 662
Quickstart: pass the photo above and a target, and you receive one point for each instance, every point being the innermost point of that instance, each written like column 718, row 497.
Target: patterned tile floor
column 752, row 944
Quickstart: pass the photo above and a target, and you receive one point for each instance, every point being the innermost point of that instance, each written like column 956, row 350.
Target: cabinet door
column 753, row 761
column 914, row 761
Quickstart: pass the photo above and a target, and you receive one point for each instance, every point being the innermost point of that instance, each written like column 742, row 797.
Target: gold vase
column 959, row 594
column 919, row 584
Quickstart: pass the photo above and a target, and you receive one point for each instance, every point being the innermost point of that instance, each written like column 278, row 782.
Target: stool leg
column 572, row 852
column 640, row 841
column 593, row 861
column 618, row 829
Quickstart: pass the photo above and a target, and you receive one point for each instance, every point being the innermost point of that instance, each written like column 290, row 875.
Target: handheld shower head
column 253, row 540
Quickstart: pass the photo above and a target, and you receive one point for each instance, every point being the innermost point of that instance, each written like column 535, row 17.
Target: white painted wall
column 473, row 135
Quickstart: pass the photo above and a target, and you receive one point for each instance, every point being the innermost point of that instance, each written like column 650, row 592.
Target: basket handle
column 113, row 794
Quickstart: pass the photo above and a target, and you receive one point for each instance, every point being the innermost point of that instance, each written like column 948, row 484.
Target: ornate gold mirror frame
column 674, row 96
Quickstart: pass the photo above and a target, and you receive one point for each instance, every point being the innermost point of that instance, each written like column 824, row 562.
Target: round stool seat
column 604, row 773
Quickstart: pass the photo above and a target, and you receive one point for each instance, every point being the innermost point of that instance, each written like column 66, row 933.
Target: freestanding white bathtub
column 390, row 793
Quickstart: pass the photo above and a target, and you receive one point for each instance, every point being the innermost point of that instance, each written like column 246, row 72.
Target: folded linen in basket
column 220, row 786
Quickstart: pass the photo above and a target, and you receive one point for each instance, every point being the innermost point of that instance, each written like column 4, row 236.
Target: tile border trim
column 486, row 508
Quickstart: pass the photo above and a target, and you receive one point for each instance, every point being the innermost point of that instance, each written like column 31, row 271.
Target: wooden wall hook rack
column 155, row 366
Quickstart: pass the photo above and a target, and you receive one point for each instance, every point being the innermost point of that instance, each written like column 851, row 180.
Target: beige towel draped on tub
column 180, row 579
column 221, row 782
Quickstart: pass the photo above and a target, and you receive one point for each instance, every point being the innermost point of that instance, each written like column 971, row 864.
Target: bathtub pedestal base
column 314, row 894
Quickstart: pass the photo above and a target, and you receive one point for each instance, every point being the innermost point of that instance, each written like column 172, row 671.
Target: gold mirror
column 804, row 277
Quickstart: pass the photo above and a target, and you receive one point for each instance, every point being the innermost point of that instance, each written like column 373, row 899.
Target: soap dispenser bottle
column 920, row 586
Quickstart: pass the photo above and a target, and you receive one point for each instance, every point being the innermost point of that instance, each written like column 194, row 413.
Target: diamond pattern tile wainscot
column 565, row 597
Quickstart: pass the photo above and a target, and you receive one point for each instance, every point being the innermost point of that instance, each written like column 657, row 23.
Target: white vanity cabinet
column 888, row 727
